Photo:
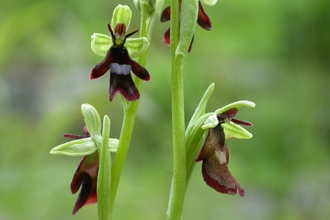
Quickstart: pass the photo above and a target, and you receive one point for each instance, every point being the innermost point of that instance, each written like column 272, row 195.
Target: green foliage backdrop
column 275, row 53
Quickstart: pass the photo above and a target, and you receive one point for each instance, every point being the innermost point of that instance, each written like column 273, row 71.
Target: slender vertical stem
column 131, row 107
column 124, row 141
column 178, row 186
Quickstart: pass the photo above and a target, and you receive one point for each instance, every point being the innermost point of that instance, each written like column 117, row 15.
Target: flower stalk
column 181, row 33
column 130, row 108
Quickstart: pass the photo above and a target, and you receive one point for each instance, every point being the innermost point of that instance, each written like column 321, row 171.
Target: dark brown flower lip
column 85, row 178
column 215, row 156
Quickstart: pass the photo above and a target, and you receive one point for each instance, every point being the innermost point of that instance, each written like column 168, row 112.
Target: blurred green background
column 275, row 53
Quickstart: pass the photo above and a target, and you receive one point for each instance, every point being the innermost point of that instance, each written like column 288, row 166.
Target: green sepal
column 121, row 14
column 136, row 46
column 92, row 119
column 82, row 147
column 233, row 130
column 237, row 105
column 101, row 43
column 209, row 2
column 212, row 120
column 79, row 147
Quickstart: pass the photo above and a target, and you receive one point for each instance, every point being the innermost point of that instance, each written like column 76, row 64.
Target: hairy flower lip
column 85, row 177
column 224, row 183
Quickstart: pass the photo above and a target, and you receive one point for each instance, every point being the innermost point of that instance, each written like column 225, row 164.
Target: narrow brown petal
column 191, row 43
column 241, row 122
column 166, row 14
column 203, row 19
column 166, row 38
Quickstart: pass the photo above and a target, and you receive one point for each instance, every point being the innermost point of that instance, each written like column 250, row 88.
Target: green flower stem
column 181, row 35
column 178, row 187
column 130, row 108
column 104, row 173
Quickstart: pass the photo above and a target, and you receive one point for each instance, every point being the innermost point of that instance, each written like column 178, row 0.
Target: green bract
column 136, row 46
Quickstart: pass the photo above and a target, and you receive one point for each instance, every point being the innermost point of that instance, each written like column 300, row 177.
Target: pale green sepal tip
column 136, row 46
column 209, row 2
column 211, row 122
column 92, row 119
column 121, row 14
column 237, row 105
column 235, row 131
column 100, row 44
column 113, row 144
column 80, row 147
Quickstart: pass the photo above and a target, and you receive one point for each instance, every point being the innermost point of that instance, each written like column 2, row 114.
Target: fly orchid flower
column 120, row 65
column 215, row 153
column 86, row 174
column 203, row 19
column 118, row 51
